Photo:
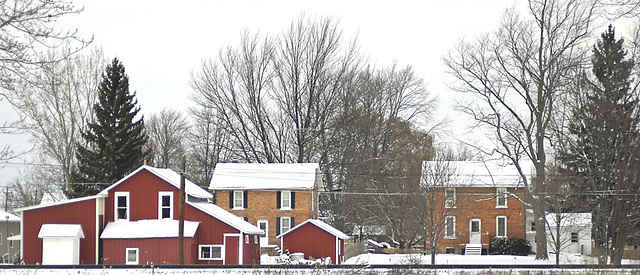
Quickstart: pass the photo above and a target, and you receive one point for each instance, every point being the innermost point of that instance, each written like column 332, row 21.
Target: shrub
column 510, row 246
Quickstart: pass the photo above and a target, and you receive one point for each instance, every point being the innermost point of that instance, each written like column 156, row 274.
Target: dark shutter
column 231, row 199
column 293, row 200
column 278, row 200
column 278, row 224
column 292, row 222
column 246, row 199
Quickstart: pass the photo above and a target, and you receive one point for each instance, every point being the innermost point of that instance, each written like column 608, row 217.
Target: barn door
column 232, row 249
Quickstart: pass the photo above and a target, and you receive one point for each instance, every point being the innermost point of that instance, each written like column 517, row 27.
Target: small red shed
column 316, row 239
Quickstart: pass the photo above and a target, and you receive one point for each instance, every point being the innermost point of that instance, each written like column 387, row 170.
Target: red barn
column 135, row 221
column 316, row 239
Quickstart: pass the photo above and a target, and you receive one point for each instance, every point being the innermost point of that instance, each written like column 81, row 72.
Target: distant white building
column 575, row 233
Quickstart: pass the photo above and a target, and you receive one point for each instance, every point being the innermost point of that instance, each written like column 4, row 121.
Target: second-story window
column 501, row 197
column 165, row 205
column 286, row 200
column 121, row 206
column 449, row 197
column 238, row 199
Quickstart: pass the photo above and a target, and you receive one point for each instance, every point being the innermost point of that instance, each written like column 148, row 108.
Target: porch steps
column 473, row 249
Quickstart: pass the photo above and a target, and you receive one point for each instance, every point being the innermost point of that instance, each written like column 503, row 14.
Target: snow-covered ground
column 450, row 259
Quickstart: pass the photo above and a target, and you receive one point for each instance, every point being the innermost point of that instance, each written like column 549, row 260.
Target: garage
column 61, row 243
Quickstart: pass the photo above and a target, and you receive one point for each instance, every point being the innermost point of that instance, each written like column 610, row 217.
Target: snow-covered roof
column 569, row 219
column 320, row 224
column 171, row 177
column 226, row 217
column 44, row 205
column 60, row 231
column 146, row 229
column 491, row 173
column 6, row 216
column 239, row 176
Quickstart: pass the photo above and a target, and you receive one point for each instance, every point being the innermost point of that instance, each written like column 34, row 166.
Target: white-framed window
column 574, row 237
column 121, row 206
column 132, row 256
column 165, row 205
column 450, row 227
column 210, row 252
column 255, row 239
column 450, row 198
column 264, row 226
column 246, row 239
column 285, row 224
column 501, row 197
column 285, row 200
column 238, row 200
column 501, row 226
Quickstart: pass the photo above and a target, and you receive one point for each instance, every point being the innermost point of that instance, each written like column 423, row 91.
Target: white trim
column 282, row 206
column 221, row 246
column 126, row 256
column 498, row 227
column 282, row 232
column 445, row 198
column 235, row 194
column 115, row 205
column 453, row 230
column 22, row 234
column 501, row 192
column 97, row 228
column 224, row 238
column 160, row 195
column 337, row 251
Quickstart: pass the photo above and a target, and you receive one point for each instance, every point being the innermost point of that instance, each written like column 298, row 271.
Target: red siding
column 143, row 189
column 231, row 250
column 210, row 230
column 158, row 251
column 251, row 251
column 82, row 212
column 312, row 241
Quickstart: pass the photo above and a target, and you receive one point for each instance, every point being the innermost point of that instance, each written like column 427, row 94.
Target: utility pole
column 181, row 215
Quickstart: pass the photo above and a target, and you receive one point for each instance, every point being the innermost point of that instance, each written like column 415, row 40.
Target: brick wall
column 262, row 205
column 480, row 203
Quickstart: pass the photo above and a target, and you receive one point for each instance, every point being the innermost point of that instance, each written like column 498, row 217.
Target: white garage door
column 60, row 243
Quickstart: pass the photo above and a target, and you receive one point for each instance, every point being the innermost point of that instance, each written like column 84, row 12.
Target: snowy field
column 362, row 265
column 450, row 259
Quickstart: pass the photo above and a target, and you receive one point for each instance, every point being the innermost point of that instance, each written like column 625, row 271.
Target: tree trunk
column 433, row 254
column 541, row 236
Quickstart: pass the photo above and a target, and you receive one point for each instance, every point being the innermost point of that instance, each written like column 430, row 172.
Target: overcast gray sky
column 161, row 42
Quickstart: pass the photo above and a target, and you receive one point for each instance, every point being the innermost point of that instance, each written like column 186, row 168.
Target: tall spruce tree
column 114, row 142
column 604, row 154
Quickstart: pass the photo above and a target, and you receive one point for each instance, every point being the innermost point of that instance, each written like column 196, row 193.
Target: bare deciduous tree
column 208, row 143
column 168, row 131
column 517, row 74
column 57, row 104
column 26, row 29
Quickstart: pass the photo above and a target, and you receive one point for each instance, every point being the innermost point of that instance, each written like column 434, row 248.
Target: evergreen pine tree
column 605, row 129
column 114, row 142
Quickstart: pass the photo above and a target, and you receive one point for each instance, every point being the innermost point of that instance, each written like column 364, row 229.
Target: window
column 285, row 200
column 450, row 227
column 246, row 239
column 574, row 237
column 533, row 226
column 501, row 197
column 165, row 205
column 238, row 200
column 449, row 198
column 255, row 239
column 284, row 224
column 501, row 226
column 450, row 250
column 210, row 252
column 10, row 242
column 132, row 256
column 121, row 205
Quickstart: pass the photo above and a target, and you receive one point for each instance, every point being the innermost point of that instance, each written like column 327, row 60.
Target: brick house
column 484, row 202
column 273, row 196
